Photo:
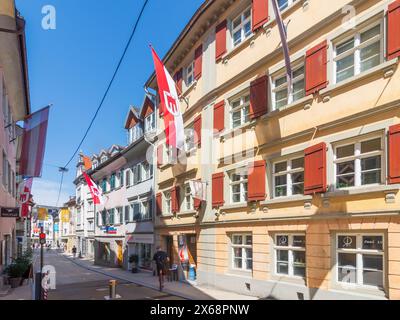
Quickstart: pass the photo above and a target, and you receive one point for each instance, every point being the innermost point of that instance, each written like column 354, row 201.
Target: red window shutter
column 316, row 68
column 315, row 169
column 259, row 97
column 198, row 62
column 257, row 181
column 220, row 40
column 394, row 154
column 217, row 190
column 219, row 116
column 393, row 41
column 159, row 204
column 160, row 156
column 260, row 13
column 196, row 204
column 197, row 130
column 178, row 77
column 175, row 199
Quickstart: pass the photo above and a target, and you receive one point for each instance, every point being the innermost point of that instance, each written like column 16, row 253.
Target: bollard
column 112, row 286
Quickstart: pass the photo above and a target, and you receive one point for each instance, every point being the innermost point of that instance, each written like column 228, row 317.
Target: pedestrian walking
column 74, row 251
column 161, row 259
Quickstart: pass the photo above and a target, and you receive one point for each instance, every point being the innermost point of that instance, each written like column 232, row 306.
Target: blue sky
column 71, row 66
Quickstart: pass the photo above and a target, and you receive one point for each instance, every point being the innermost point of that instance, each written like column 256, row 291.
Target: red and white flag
column 34, row 143
column 24, row 196
column 170, row 105
column 94, row 190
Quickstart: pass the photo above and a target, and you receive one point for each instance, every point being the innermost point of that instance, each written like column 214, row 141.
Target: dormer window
column 103, row 159
column 95, row 164
column 135, row 133
column 150, row 123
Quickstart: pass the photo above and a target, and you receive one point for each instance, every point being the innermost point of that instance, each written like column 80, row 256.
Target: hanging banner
column 24, row 196
column 33, row 143
column 198, row 189
column 170, row 105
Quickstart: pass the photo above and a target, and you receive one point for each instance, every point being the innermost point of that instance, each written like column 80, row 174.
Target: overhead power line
column 110, row 83
column 64, row 169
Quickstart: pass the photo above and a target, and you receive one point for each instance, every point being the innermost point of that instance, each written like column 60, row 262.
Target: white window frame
column 242, row 246
column 289, row 171
column 357, row 158
column 188, row 200
column 359, row 251
column 289, row 4
column 150, row 122
column 128, row 182
column 189, row 139
column 103, row 159
column 242, row 108
column 357, row 47
column 167, row 202
column 279, row 75
column 189, row 74
column 290, row 249
column 243, row 182
column 240, row 27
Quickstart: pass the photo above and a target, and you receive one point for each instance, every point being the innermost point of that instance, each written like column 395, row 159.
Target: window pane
column 298, row 189
column 374, row 176
column 247, row 29
column 347, row 267
column 347, row 242
column 345, row 172
column 237, row 252
column 281, row 99
column 237, row 37
column 237, row 240
column 283, row 4
column 236, row 119
column 249, row 240
column 238, row 263
column 298, row 90
column 373, row 270
column 282, row 241
column 282, row 268
column 280, row 81
column 371, row 145
column 349, row 44
column 298, row 163
column 346, row 151
column 299, row 241
column 280, row 167
column 280, row 180
column 370, row 56
column 370, row 33
column 345, row 68
column 298, row 177
column 282, row 255
column 372, row 242
column 299, row 263
column 281, row 191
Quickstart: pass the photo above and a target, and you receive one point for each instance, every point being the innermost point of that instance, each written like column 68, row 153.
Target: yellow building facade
column 302, row 188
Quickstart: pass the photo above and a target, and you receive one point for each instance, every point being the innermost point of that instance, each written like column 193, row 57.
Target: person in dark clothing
column 161, row 260
column 74, row 251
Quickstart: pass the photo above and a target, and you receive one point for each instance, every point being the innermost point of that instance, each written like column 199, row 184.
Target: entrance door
column 192, row 248
column 119, row 253
column 170, row 248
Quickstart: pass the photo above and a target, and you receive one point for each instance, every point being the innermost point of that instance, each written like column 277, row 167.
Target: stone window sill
column 234, row 206
column 387, row 68
column 286, row 200
column 235, row 131
column 387, row 189
column 305, row 102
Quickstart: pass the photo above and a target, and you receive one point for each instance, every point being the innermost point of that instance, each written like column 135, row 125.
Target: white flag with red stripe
column 170, row 105
column 34, row 143
column 24, row 195
column 94, row 190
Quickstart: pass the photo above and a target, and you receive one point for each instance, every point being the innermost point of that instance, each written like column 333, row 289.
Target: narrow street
column 74, row 282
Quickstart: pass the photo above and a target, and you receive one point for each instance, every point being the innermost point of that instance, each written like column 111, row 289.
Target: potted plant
column 15, row 271
column 134, row 260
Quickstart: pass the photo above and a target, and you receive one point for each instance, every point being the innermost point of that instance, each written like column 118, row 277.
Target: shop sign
column 9, row 212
